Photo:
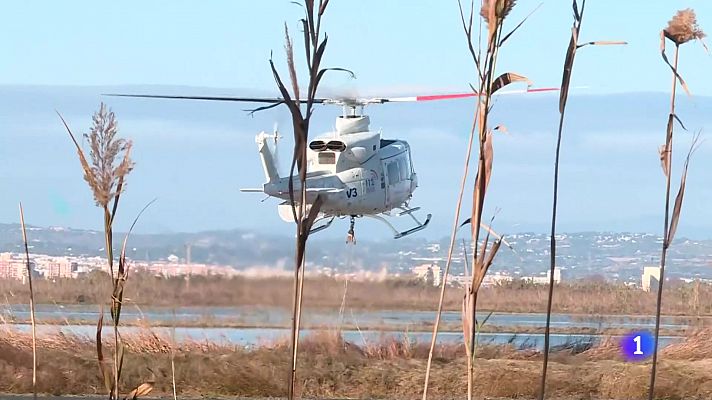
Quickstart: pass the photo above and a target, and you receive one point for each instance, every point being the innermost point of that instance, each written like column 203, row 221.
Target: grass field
column 585, row 298
column 332, row 368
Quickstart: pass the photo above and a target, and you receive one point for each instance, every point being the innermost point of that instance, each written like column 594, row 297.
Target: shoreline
column 391, row 329
column 146, row 306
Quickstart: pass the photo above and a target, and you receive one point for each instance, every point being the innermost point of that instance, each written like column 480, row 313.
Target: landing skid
column 325, row 221
column 409, row 212
column 323, row 225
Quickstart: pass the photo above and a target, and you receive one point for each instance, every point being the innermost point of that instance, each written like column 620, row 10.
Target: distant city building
column 650, row 278
column 497, row 278
column 543, row 280
column 60, row 267
column 14, row 266
column 433, row 247
column 459, row 280
column 173, row 268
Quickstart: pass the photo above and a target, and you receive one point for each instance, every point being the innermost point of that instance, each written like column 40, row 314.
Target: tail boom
column 269, row 164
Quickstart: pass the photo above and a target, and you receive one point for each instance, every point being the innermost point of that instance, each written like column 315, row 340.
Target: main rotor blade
column 452, row 96
column 348, row 102
column 213, row 98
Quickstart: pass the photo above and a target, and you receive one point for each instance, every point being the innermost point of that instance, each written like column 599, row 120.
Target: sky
column 390, row 45
column 194, row 156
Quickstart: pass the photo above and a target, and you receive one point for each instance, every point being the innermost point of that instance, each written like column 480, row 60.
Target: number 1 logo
column 637, row 346
column 638, row 351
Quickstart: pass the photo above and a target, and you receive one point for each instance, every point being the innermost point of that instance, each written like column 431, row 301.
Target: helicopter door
column 398, row 179
column 391, row 171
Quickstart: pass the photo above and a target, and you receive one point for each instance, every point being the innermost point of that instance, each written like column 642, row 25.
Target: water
column 250, row 337
column 266, row 325
column 274, row 316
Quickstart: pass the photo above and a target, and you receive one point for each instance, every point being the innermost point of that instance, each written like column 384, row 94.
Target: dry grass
column 698, row 346
column 583, row 298
column 333, row 368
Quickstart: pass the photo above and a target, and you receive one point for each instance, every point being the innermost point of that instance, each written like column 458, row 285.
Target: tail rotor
column 275, row 140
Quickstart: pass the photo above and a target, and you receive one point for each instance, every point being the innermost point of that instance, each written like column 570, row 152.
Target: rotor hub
column 352, row 124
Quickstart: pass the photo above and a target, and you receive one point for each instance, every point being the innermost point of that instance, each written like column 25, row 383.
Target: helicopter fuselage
column 381, row 183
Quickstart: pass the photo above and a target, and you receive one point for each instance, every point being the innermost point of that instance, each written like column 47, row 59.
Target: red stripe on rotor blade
column 552, row 89
column 445, row 96
column 464, row 95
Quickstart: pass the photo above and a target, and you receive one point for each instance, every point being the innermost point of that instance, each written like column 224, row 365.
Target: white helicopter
column 357, row 171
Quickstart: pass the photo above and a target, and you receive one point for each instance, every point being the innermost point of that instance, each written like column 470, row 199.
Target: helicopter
column 358, row 172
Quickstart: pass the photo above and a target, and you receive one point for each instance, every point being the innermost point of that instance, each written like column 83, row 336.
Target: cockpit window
column 393, row 173
column 386, row 142
column 403, row 167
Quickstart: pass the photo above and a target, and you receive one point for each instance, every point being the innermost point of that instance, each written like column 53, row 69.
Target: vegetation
column 106, row 174
column 563, row 98
column 32, row 303
column 591, row 298
column 304, row 214
column 493, row 13
column 680, row 30
column 334, row 368
column 384, row 369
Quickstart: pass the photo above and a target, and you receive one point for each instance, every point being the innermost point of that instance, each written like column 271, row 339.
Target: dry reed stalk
column 493, row 13
column 173, row 355
column 448, row 261
column 32, row 304
column 110, row 165
column 563, row 98
column 105, row 178
column 342, row 307
column 304, row 218
column 681, row 29
column 466, row 300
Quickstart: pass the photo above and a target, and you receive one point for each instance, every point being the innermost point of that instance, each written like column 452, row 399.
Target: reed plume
column 499, row 8
column 683, row 27
column 110, row 157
